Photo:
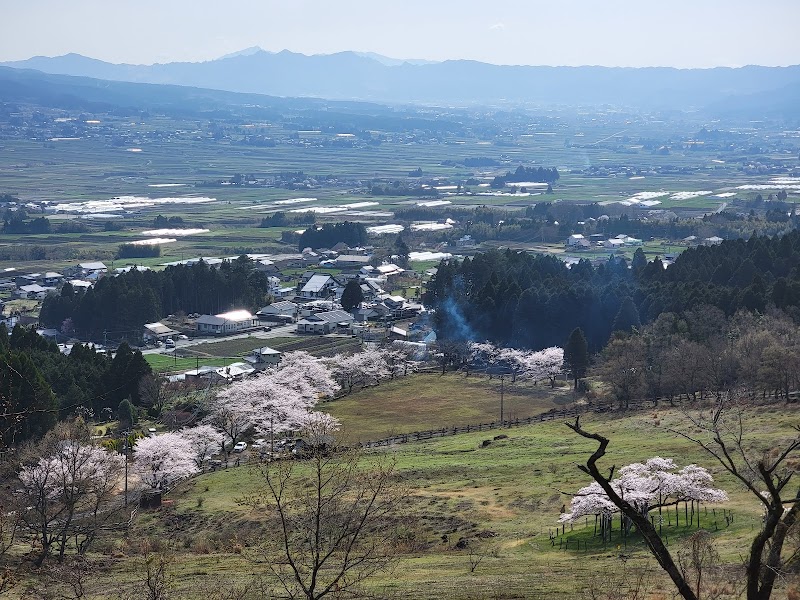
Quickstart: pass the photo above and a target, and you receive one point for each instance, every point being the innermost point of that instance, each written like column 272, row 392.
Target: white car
column 240, row 447
column 183, row 336
column 257, row 444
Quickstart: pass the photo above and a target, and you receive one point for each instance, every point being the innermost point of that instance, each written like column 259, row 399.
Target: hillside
column 503, row 498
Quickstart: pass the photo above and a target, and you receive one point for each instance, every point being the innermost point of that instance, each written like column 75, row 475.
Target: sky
column 634, row 33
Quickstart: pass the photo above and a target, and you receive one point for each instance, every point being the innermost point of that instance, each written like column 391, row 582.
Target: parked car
column 183, row 336
column 257, row 444
column 240, row 447
column 170, row 343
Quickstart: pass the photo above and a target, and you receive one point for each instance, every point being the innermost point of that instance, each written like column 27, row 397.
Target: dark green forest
column 118, row 307
column 518, row 299
column 37, row 380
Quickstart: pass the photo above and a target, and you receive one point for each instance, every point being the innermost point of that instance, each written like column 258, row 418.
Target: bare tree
column 156, row 580
column 697, row 561
column 333, row 515
column 765, row 471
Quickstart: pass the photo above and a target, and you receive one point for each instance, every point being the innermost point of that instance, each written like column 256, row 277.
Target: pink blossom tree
column 274, row 401
column 362, row 369
column 162, row 460
column 204, row 440
column 70, row 493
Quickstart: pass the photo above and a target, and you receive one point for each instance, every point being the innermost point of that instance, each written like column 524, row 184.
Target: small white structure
column 575, row 239
column 712, row 241
column 613, row 244
column 229, row 322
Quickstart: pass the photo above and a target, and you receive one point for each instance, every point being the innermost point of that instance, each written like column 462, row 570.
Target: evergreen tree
column 627, row 318
column 352, row 295
column 576, row 355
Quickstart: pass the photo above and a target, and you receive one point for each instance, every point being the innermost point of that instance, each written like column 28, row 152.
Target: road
column 277, row 331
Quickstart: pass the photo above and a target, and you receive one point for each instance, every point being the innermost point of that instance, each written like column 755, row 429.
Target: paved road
column 277, row 331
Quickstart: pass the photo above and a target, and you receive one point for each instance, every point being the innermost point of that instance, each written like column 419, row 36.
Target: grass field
column 438, row 401
column 505, row 498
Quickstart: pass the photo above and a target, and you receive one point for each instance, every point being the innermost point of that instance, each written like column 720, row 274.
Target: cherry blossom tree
column 204, row 440
column 362, row 369
column 399, row 360
column 274, row 401
column 162, row 460
column 544, row 364
column 629, row 494
column 69, row 492
column 547, row 363
column 645, row 486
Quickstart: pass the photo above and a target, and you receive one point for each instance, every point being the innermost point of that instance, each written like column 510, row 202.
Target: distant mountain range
column 375, row 78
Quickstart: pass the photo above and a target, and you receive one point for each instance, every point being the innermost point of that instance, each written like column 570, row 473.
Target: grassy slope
column 430, row 401
column 511, row 488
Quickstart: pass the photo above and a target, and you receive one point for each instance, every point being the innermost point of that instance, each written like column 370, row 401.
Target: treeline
column 701, row 352
column 283, row 219
column 535, row 301
column 39, row 383
column 138, row 251
column 17, row 221
column 348, row 232
column 533, row 174
column 121, row 305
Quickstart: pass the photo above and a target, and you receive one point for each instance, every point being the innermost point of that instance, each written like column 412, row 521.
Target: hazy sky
column 680, row 33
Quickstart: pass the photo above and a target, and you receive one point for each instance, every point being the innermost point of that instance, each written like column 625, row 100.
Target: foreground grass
column 503, row 498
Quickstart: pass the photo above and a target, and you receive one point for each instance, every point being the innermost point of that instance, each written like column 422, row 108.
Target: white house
column 319, row 285
column 263, row 357
column 575, row 239
column 613, row 243
column 229, row 322
column 712, row 241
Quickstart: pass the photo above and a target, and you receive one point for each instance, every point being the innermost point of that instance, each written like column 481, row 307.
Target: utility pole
column 502, row 390
column 125, row 449
column 271, row 438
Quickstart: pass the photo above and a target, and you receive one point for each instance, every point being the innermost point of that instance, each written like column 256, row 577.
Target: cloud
column 497, row 26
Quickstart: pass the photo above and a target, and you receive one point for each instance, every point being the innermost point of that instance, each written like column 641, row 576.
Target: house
column 263, row 357
column 320, row 285
column 85, row 269
column 372, row 312
column 325, row 322
column 389, row 270
column 351, row 261
column 713, row 241
column 278, row 311
column 225, row 323
column 157, row 331
column 33, row 291
column 575, row 240
column 613, row 243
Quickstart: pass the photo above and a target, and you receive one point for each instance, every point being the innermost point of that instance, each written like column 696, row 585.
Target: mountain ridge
column 368, row 77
